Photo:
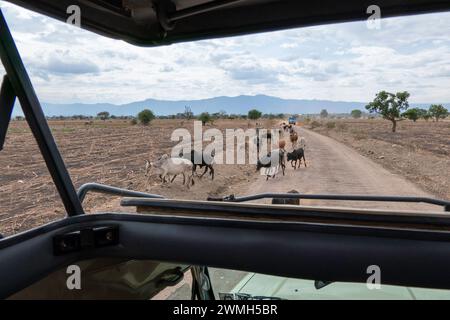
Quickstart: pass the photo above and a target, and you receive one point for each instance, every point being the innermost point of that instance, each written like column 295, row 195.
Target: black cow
column 207, row 163
column 296, row 155
column 270, row 158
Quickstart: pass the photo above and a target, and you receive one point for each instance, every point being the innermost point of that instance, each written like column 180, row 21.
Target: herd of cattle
column 169, row 168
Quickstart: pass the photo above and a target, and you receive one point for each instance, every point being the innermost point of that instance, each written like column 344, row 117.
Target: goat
column 150, row 165
column 302, row 143
column 267, row 136
column 166, row 166
column 294, row 201
column 207, row 162
column 296, row 155
column 293, row 136
column 277, row 157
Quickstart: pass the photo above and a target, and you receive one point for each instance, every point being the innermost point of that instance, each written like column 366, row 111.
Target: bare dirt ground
column 334, row 168
column 370, row 160
column 419, row 152
column 109, row 152
column 367, row 160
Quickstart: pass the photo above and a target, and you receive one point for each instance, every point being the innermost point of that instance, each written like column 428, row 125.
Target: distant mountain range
column 237, row 105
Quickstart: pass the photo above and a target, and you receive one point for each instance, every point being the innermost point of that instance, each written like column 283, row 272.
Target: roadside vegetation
column 419, row 150
column 395, row 107
column 146, row 116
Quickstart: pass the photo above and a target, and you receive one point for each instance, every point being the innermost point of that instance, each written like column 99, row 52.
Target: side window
column 28, row 197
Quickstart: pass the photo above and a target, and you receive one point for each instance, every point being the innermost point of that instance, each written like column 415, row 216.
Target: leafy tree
column 412, row 114
column 145, row 116
column 390, row 106
column 254, row 114
column 356, row 113
column 204, row 117
column 324, row 113
column 438, row 111
column 423, row 113
column 103, row 115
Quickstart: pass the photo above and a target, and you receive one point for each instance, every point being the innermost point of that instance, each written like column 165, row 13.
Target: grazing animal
column 275, row 160
column 166, row 166
column 287, row 200
column 281, row 144
column 267, row 136
column 149, row 167
column 296, row 155
column 293, row 136
column 302, row 143
column 207, row 162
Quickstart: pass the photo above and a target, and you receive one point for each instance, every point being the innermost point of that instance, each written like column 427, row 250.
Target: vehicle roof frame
column 17, row 83
column 173, row 21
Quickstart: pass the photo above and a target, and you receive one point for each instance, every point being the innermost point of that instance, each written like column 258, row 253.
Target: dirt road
column 335, row 168
column 332, row 167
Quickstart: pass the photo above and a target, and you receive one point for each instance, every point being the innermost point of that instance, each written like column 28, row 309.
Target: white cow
column 166, row 166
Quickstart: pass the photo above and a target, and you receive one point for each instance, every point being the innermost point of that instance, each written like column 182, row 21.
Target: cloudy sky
column 345, row 62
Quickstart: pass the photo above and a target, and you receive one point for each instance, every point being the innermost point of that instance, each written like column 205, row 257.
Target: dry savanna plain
column 114, row 152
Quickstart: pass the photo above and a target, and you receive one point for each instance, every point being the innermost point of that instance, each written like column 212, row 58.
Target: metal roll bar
column 101, row 188
column 346, row 197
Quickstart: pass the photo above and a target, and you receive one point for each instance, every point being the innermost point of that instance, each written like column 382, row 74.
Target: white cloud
column 339, row 62
column 289, row 45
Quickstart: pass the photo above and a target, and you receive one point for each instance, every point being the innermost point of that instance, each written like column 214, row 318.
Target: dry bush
column 331, row 125
column 315, row 124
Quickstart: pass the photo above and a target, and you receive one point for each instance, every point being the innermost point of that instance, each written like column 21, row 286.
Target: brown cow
column 293, row 136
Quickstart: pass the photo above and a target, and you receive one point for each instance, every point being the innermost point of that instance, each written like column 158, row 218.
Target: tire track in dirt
column 334, row 168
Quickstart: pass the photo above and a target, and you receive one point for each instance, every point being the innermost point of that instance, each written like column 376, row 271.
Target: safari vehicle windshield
column 343, row 115
column 286, row 165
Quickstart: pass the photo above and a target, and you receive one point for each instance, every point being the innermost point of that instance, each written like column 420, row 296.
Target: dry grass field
column 418, row 151
column 114, row 152
column 111, row 152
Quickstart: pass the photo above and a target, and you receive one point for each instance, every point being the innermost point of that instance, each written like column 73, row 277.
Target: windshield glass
column 351, row 108
column 264, row 287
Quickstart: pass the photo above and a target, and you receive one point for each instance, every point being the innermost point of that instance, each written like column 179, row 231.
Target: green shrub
column 254, row 114
column 204, row 117
column 145, row 116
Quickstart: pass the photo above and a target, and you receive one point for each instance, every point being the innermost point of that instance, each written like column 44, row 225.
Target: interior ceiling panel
column 160, row 22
